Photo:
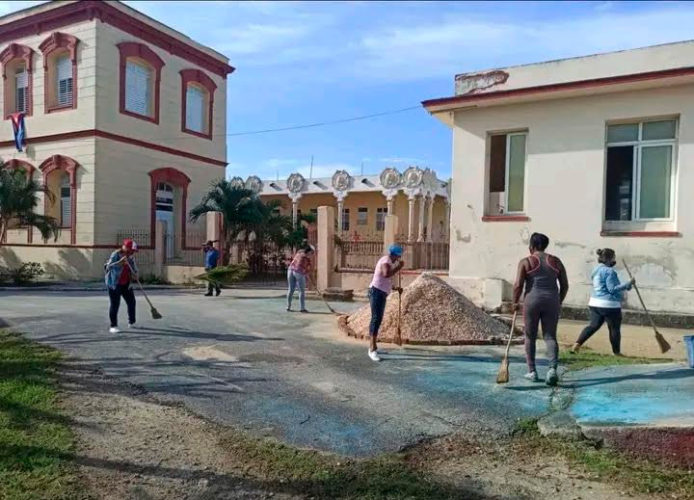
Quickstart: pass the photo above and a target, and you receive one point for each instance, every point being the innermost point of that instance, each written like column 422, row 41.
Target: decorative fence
column 145, row 256
column 363, row 255
column 267, row 264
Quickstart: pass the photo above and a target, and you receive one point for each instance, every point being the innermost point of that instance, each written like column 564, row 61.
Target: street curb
column 88, row 289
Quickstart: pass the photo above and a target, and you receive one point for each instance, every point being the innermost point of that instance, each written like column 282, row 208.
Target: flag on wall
column 19, row 130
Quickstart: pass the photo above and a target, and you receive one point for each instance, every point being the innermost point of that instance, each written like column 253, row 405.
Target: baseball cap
column 395, row 250
column 130, row 244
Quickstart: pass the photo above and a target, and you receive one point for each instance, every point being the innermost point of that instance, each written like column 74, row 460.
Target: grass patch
column 586, row 358
column 321, row 475
column 639, row 475
column 35, row 439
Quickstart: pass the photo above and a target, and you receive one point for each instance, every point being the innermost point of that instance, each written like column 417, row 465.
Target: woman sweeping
column 120, row 271
column 296, row 276
column 538, row 274
column 605, row 301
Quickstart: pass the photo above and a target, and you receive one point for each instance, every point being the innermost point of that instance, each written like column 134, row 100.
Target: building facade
column 593, row 151
column 416, row 196
column 125, row 123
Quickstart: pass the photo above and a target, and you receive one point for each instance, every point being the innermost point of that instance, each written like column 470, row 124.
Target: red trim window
column 140, row 77
column 197, row 101
column 28, row 169
column 60, row 71
column 17, row 75
column 60, row 175
column 175, row 179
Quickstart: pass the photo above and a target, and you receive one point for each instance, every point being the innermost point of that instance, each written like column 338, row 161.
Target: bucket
column 689, row 344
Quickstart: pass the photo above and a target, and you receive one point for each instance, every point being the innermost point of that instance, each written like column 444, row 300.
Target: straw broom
column 502, row 376
column 152, row 310
column 398, row 338
column 321, row 295
column 662, row 343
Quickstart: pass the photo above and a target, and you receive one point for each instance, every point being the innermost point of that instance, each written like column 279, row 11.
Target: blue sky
column 309, row 62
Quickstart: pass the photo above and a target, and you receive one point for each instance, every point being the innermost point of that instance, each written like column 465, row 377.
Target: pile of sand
column 433, row 312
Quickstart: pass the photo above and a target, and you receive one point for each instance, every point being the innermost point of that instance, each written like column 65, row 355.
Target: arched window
column 140, row 74
column 17, row 75
column 60, row 69
column 197, row 103
column 169, row 202
column 60, row 176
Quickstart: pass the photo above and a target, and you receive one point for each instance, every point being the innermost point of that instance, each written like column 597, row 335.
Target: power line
column 320, row 124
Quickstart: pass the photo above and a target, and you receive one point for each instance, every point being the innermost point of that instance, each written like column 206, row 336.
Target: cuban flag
column 19, row 130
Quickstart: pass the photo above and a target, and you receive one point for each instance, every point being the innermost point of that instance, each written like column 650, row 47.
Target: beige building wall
column 564, row 193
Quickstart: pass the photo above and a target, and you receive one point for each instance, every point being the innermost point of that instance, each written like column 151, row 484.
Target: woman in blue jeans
column 605, row 301
column 296, row 276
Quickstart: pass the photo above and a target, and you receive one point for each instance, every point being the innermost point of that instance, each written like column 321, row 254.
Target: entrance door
column 165, row 213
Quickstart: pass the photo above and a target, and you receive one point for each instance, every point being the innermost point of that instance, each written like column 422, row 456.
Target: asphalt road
column 241, row 359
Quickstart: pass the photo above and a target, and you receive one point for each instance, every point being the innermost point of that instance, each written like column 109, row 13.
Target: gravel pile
column 433, row 312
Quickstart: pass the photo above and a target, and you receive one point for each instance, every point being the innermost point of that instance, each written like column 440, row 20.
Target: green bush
column 22, row 275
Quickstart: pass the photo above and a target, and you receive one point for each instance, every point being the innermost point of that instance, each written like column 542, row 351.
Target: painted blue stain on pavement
column 636, row 394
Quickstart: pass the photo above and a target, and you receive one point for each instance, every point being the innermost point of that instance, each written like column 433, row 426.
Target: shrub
column 22, row 275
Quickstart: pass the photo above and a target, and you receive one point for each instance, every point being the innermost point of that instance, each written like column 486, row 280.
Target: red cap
column 129, row 244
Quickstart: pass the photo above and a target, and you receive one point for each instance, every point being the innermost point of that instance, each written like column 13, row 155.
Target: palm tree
column 19, row 196
column 241, row 208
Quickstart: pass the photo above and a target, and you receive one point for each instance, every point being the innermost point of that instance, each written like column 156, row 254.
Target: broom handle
column 513, row 329
column 636, row 288
column 310, row 280
column 137, row 280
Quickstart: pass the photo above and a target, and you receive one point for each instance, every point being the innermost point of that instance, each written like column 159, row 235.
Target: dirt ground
column 132, row 447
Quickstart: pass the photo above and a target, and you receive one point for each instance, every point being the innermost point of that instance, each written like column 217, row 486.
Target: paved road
column 243, row 360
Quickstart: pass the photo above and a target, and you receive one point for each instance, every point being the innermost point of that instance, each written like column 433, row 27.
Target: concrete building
column 125, row 121
column 595, row 152
column 416, row 196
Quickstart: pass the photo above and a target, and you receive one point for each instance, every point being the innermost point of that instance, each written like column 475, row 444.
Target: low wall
column 63, row 263
column 180, row 275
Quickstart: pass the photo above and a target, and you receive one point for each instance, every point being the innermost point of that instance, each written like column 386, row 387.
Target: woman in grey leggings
column 539, row 274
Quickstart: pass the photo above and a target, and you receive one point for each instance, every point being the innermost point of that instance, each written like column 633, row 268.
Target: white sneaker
column 552, row 377
column 532, row 376
column 132, row 325
column 114, row 329
column 374, row 355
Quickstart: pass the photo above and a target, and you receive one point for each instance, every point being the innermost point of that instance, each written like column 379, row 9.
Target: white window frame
column 149, row 92
column 345, row 220
column 638, row 145
column 381, row 213
column 65, row 185
column 507, row 166
column 17, row 88
column 65, row 99
column 365, row 211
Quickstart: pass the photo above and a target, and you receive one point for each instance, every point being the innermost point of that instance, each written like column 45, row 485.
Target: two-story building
column 125, row 123
column 595, row 152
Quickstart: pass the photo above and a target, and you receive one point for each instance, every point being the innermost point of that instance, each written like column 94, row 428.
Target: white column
column 410, row 219
column 390, row 203
column 422, row 207
column 430, row 219
column 447, row 221
column 295, row 215
column 340, row 206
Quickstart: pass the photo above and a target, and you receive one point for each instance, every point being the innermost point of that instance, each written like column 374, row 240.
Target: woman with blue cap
column 381, row 285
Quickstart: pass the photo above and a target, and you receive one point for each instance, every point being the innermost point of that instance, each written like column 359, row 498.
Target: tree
column 241, row 208
column 19, row 196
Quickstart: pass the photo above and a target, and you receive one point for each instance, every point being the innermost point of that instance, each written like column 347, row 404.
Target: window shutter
column 21, row 85
column 63, row 67
column 195, row 110
column 65, row 204
column 138, row 82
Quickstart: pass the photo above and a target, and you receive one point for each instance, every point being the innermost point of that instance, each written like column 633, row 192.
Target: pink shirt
column 379, row 280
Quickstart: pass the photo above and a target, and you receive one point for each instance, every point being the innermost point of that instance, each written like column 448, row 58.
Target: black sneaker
column 218, row 292
column 208, row 295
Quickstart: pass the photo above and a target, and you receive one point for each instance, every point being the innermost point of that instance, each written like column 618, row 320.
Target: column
column 422, row 207
column 410, row 219
column 447, row 221
column 390, row 203
column 430, row 218
column 295, row 208
column 340, row 206
column 325, row 243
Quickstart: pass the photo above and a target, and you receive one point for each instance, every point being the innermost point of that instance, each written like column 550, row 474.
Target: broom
column 502, row 376
column 398, row 338
column 662, row 343
column 153, row 311
column 321, row 295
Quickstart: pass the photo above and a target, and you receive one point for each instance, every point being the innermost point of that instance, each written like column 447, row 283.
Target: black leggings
column 600, row 315
column 114, row 296
column 377, row 299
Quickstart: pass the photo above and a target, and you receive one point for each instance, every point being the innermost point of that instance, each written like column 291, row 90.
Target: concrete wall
column 564, row 193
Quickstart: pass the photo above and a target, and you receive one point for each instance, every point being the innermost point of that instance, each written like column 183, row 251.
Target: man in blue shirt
column 211, row 258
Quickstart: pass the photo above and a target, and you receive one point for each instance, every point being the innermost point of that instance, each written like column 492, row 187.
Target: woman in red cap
column 120, row 270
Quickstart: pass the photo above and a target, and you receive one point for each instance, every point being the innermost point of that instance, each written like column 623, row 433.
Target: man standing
column 120, row 271
column 211, row 258
column 381, row 285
